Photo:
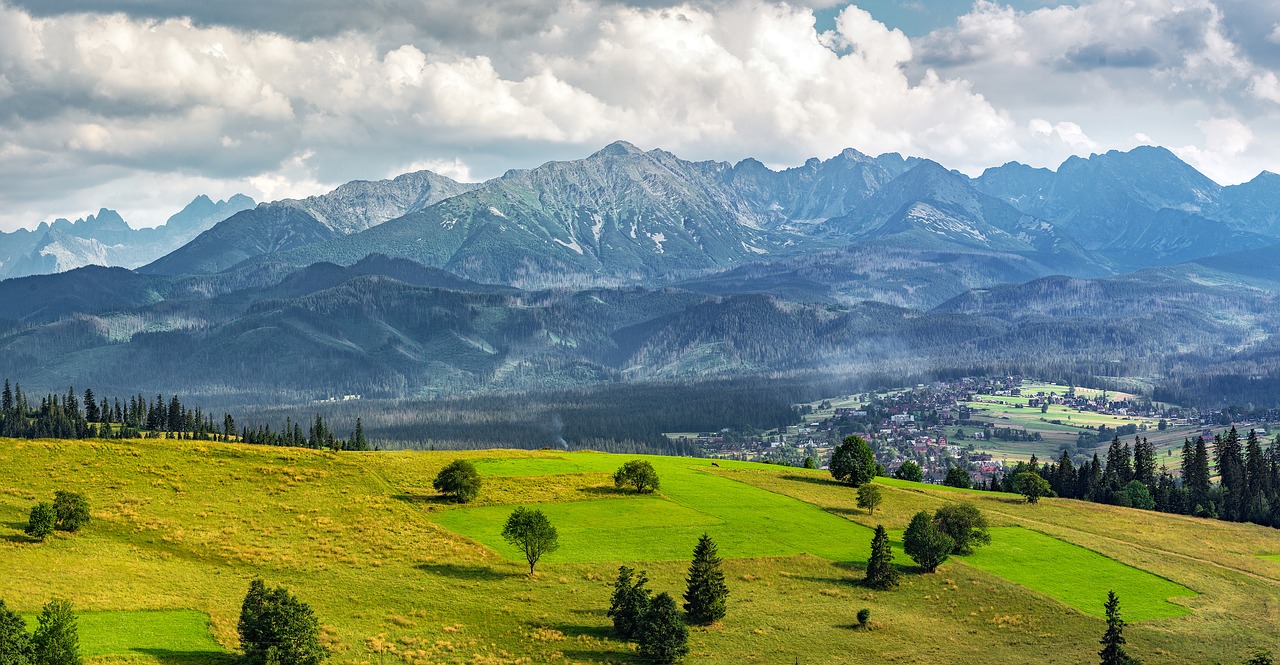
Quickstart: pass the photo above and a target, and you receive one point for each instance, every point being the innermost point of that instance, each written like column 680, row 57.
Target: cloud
column 1225, row 139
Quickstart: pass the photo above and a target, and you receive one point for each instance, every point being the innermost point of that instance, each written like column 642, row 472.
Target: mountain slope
column 288, row 224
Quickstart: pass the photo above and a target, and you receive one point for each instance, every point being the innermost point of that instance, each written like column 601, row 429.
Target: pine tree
column 1195, row 480
column 1144, row 462
column 704, row 597
column 1230, row 461
column 1113, row 652
column 629, row 603
column 1064, row 476
column 880, row 571
column 358, row 441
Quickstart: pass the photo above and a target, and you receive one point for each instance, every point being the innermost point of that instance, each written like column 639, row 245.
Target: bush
column 924, row 543
column 278, row 629
column 71, row 511
column 957, row 477
column 459, row 480
column 853, row 462
column 15, row 643
column 663, row 637
column 41, row 521
column 909, row 471
column 637, row 474
column 56, row 640
column 864, row 615
column 966, row 525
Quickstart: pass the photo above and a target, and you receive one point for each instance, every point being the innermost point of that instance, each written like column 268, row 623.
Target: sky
column 141, row 105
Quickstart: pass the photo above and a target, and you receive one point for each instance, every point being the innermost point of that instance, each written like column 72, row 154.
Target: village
column 978, row 424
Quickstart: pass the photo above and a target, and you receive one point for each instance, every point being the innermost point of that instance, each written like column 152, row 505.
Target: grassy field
column 180, row 528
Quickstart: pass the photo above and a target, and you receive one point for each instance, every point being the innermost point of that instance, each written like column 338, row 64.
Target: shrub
column 41, row 521
column 71, row 511
column 924, row 543
column 966, row 525
column 459, row 480
column 637, row 474
column 864, row 615
column 278, row 629
column 663, row 637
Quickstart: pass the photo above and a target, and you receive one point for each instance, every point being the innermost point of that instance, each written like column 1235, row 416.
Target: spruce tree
column 880, row 571
column 1113, row 652
column 1230, row 461
column 629, row 603
column 704, row 597
column 663, row 637
column 1144, row 462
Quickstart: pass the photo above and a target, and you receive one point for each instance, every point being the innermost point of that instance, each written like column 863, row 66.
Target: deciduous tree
column 966, row 525
column 531, row 531
column 629, row 603
column 278, row 629
column 56, row 640
column 869, row 497
column 924, row 543
column 71, row 511
column 41, row 521
column 638, row 475
column 459, row 480
column 663, row 637
column 853, row 461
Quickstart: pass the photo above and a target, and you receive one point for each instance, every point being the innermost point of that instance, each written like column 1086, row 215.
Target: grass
column 1075, row 575
column 182, row 527
column 161, row 633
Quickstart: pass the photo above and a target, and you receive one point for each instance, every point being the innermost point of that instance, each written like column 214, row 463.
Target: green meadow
column 398, row 575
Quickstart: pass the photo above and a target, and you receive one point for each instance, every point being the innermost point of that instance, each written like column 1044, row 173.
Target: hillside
column 180, row 528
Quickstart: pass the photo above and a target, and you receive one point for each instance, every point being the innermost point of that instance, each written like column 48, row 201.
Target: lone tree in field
column 15, row 643
column 924, row 543
column 532, row 532
column 880, row 571
column 1031, row 486
column 869, row 498
column 1113, row 652
column 909, row 471
column 663, row 637
column 630, row 602
column 41, row 521
column 638, row 475
column 278, row 629
column 71, row 511
column 957, row 477
column 853, row 462
column 704, row 598
column 56, row 640
column 966, row 525
column 459, row 480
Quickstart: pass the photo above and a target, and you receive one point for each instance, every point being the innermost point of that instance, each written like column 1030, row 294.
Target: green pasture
column 1077, row 576
column 158, row 633
column 745, row 521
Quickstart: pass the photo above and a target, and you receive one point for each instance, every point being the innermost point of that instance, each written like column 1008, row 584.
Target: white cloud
column 1225, row 140
column 1069, row 133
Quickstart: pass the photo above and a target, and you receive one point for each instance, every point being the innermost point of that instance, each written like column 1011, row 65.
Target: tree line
column 1248, row 472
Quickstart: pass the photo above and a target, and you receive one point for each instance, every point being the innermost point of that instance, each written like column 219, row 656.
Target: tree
column 869, row 498
column 1135, row 495
column 459, row 480
column 957, row 477
column 637, row 474
column 532, row 532
column 880, row 571
column 966, row 525
column 705, row 594
column 909, row 471
column 864, row 616
column 41, row 521
column 358, row 440
column 15, row 643
column 1113, row 652
column 629, row 603
column 853, row 461
column 278, row 629
column 56, row 640
column 1261, row 658
column 810, row 463
column 1031, row 486
column 1144, row 462
column 924, row 543
column 663, row 637
column 71, row 511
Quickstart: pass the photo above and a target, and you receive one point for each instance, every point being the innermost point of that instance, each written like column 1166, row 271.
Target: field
column 397, row 575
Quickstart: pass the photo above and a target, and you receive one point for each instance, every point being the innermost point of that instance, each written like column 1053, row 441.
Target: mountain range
column 633, row 265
